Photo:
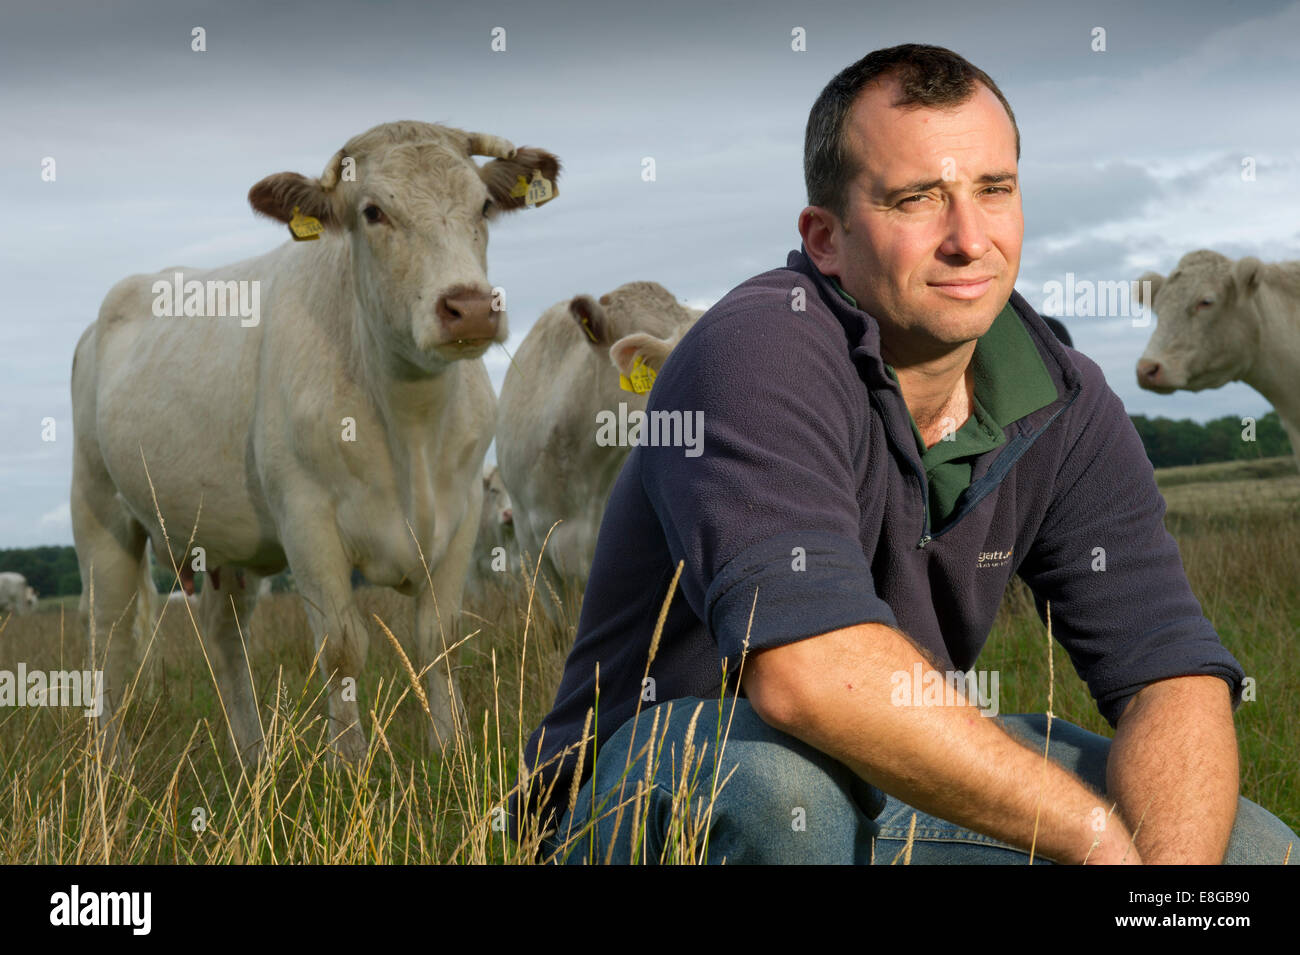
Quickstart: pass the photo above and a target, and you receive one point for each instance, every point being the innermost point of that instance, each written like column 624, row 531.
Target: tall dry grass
column 186, row 798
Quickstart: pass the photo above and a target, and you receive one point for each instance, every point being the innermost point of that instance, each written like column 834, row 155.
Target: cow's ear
column 502, row 176
column 591, row 319
column 1245, row 273
column 653, row 351
column 276, row 196
column 1148, row 287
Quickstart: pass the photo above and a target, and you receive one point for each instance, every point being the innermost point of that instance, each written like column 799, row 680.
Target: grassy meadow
column 185, row 798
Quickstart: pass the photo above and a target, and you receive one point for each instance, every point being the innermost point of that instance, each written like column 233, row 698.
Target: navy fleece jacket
column 808, row 445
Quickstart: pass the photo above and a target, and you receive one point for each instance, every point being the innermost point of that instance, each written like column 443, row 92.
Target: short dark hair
column 930, row 76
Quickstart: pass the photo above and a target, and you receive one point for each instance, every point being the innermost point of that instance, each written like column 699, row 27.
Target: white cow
column 345, row 412
column 15, row 595
column 1220, row 321
column 560, row 378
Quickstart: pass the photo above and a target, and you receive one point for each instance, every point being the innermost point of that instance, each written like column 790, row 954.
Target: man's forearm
column 1173, row 770
column 834, row 693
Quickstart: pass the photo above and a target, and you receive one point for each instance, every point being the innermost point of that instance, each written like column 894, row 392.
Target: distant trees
column 50, row 570
column 1172, row 443
column 53, row 570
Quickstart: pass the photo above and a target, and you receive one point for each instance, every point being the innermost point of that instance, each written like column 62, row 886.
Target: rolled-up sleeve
column 1121, row 604
column 765, row 517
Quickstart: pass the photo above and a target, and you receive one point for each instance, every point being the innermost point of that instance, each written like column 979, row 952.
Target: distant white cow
column 564, row 372
column 495, row 555
column 15, row 594
column 1220, row 321
column 345, row 412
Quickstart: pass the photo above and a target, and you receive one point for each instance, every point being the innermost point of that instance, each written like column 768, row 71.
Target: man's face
column 935, row 204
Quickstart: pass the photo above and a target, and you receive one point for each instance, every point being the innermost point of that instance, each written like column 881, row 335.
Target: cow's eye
column 373, row 213
column 1205, row 303
column 487, row 204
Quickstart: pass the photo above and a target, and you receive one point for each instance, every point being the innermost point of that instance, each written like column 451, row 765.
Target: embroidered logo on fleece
column 993, row 558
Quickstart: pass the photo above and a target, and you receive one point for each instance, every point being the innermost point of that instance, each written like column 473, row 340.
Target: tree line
column 53, row 570
column 1172, row 443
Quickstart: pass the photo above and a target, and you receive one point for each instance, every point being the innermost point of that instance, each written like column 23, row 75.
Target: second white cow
column 565, row 372
column 1219, row 321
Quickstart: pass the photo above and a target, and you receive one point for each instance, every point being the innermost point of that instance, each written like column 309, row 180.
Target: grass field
column 183, row 798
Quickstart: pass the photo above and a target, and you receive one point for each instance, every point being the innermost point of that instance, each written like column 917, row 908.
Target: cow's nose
column 468, row 316
column 1148, row 372
column 507, row 516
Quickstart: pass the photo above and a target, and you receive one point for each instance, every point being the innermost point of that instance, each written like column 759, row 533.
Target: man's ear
column 501, row 176
column 818, row 227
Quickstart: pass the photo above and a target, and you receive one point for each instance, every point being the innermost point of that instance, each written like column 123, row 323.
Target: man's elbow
column 798, row 685
column 1201, row 696
column 772, row 688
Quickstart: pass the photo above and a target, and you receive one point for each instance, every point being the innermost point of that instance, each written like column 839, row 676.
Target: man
column 890, row 433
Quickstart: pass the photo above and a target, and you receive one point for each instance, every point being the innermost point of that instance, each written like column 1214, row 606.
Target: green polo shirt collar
column 1011, row 381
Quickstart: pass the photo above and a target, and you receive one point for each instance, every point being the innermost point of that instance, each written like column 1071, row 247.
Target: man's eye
column 908, row 200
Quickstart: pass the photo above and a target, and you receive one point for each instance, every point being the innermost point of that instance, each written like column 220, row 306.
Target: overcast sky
column 1130, row 157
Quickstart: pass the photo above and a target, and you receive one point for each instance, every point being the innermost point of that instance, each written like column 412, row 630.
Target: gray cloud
column 1131, row 156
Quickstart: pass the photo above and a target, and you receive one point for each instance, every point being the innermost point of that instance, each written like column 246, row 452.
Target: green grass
column 59, row 803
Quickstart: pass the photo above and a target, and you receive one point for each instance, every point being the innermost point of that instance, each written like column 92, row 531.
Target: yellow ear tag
column 520, row 188
column 641, row 380
column 304, row 228
column 540, row 191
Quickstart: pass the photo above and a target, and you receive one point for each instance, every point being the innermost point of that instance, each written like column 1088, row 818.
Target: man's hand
column 833, row 692
column 1173, row 770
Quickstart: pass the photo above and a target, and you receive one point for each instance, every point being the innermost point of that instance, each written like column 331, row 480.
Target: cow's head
column 497, row 510
column 1207, row 330
column 29, row 601
column 415, row 208
column 639, row 319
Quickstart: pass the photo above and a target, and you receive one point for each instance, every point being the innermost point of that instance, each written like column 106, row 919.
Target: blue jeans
column 785, row 802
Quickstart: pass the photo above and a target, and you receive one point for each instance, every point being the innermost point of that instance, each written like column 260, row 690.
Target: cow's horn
column 484, row 144
column 330, row 177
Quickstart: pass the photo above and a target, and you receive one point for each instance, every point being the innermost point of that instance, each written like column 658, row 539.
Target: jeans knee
column 1259, row 837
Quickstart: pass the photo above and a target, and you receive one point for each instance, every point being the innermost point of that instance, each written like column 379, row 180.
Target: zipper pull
column 925, row 539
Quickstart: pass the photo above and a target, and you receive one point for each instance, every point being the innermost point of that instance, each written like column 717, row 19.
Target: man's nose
column 966, row 236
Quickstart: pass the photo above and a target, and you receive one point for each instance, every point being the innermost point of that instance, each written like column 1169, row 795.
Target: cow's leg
column 225, row 609
column 111, row 555
column 147, row 648
column 438, row 627
column 323, row 576
column 567, row 565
